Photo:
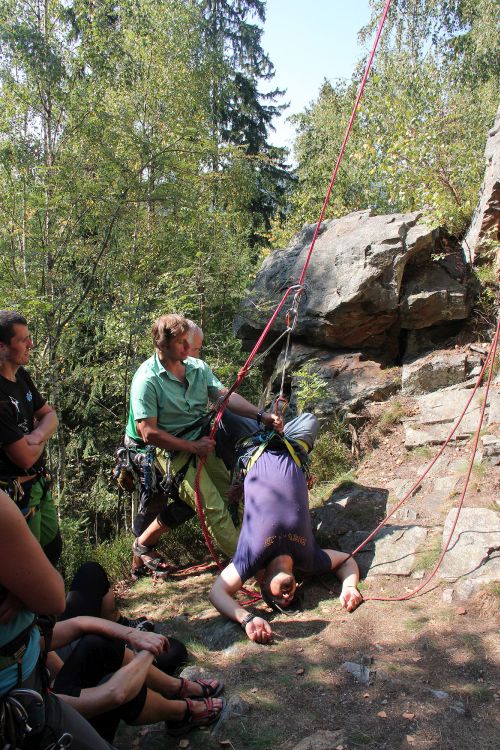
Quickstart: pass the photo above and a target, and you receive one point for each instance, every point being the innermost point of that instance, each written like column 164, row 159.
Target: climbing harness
column 250, row 449
column 22, row 710
column 13, row 652
column 298, row 289
column 20, row 492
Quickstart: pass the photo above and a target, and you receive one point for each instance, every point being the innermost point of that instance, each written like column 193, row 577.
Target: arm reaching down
column 348, row 573
column 221, row 596
column 152, row 434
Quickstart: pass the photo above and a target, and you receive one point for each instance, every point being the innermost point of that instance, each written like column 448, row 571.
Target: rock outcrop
column 371, row 277
column 485, row 225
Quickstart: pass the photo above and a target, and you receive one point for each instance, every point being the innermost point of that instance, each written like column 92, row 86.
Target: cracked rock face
column 369, row 277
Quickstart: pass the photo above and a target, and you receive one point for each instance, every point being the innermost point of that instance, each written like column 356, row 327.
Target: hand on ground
column 141, row 640
column 350, row 598
column 259, row 630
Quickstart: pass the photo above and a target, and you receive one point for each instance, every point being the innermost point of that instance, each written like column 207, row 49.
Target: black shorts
column 94, row 660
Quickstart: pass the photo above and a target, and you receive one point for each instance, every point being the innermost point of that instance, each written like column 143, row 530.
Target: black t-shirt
column 18, row 403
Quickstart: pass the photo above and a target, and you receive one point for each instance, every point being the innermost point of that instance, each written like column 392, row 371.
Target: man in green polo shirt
column 168, row 405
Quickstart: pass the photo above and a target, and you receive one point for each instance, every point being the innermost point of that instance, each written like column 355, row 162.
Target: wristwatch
column 259, row 416
column 246, row 620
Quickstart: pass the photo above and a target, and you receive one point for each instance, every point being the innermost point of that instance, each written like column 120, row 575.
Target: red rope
column 346, row 137
column 411, row 594
column 438, row 454
column 242, row 373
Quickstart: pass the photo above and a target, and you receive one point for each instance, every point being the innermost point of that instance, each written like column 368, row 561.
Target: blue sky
column 308, row 41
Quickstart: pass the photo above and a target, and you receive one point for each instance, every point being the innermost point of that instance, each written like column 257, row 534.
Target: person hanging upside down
column 276, row 540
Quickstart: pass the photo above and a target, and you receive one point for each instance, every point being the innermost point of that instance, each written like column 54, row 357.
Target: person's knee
column 176, row 656
column 175, row 514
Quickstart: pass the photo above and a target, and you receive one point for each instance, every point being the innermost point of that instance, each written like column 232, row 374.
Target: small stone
column 382, row 715
column 300, row 650
column 384, row 702
column 459, row 708
column 361, row 673
column 448, row 595
column 366, row 695
column 461, row 611
column 410, row 738
column 408, row 715
column 440, row 694
column 254, row 690
column 300, row 671
column 184, row 743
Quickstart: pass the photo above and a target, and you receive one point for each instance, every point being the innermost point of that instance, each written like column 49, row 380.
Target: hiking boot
column 139, row 623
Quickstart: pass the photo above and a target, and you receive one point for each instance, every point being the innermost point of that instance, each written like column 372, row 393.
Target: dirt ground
column 297, row 686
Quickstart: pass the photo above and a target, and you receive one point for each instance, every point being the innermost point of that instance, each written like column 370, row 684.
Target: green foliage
column 418, row 139
column 331, row 457
column 309, row 387
column 115, row 556
column 76, row 547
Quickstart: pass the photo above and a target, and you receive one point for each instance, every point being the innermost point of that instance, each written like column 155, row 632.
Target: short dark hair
column 167, row 327
column 8, row 319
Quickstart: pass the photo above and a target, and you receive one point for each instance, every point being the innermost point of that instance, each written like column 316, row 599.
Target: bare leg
column 149, row 537
column 165, row 684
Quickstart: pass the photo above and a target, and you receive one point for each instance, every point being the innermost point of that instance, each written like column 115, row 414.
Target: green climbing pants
column 44, row 523
column 214, row 484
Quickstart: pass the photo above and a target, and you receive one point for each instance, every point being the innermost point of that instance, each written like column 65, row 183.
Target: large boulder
column 485, row 225
column 368, row 277
column 437, row 412
column 438, row 369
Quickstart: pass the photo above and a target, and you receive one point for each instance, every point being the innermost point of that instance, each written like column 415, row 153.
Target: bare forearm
column 45, row 428
column 69, row 630
column 348, row 573
column 162, row 439
column 225, row 603
column 241, row 406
